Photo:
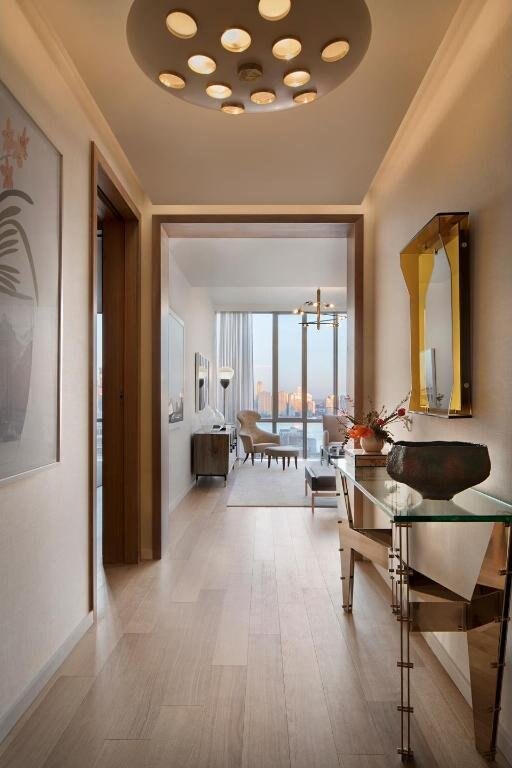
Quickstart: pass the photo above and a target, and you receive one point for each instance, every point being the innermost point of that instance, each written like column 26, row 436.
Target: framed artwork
column 202, row 381
column 176, row 367
column 30, row 292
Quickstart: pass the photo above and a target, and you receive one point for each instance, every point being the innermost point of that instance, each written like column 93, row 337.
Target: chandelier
column 326, row 314
column 251, row 56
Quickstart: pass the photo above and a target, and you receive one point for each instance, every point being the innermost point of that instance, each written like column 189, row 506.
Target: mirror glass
column 435, row 265
column 437, row 355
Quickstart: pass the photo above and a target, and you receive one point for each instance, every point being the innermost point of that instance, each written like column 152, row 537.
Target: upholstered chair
column 333, row 436
column 254, row 439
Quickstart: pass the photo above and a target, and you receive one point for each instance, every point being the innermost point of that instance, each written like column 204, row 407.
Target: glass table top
column 403, row 504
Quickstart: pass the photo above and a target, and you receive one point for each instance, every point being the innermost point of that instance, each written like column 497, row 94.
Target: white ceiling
column 264, row 273
column 255, row 299
column 233, row 262
column 324, row 153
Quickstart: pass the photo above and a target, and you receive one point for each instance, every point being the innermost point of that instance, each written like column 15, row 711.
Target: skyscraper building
column 283, row 400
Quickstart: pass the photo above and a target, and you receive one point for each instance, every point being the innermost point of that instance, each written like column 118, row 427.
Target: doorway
column 349, row 226
column 115, row 356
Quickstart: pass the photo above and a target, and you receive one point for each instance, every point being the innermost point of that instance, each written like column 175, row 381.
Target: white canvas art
column 30, row 277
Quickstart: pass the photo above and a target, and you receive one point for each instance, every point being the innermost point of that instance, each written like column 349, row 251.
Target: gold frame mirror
column 435, row 265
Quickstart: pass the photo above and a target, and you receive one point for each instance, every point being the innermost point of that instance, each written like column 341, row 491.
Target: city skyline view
column 320, row 362
column 290, row 403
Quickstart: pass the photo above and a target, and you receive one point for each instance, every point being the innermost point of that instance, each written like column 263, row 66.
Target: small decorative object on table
column 372, row 427
column 439, row 469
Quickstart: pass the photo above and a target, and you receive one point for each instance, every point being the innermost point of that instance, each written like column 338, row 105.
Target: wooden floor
column 233, row 651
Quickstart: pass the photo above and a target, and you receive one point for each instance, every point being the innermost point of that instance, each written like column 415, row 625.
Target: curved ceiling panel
column 250, row 65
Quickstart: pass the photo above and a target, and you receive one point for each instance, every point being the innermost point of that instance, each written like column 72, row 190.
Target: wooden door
column 113, row 390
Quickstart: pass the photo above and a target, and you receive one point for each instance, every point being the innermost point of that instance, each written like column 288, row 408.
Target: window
column 262, row 364
column 289, row 389
column 286, row 357
column 320, row 367
column 342, row 361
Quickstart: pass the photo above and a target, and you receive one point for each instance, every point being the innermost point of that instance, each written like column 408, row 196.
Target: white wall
column 454, row 153
column 194, row 307
column 44, row 530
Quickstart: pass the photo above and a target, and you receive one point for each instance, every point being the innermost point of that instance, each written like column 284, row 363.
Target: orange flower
column 358, row 431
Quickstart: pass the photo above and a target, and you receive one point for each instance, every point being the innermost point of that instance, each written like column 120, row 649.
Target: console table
column 214, row 452
column 438, row 584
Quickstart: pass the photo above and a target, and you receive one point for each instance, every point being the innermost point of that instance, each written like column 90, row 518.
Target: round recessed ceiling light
column 274, row 10
column 219, row 91
column 263, row 97
column 297, row 78
column 235, row 40
column 233, row 109
column 335, row 51
column 203, row 65
column 287, row 48
column 181, row 24
column 172, row 80
column 305, row 97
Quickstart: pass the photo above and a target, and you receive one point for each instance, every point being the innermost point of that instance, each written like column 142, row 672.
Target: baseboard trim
column 182, row 495
column 450, row 667
column 32, row 691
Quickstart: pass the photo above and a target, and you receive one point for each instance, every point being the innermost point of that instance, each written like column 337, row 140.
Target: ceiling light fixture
column 181, row 24
column 263, row 97
column 296, row 78
column 235, row 40
column 274, row 10
column 203, row 65
column 335, row 51
column 233, row 109
column 287, row 48
column 218, row 91
column 305, row 97
column 172, row 80
column 325, row 313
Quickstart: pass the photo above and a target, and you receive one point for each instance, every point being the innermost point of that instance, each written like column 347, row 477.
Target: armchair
column 254, row 439
column 333, row 436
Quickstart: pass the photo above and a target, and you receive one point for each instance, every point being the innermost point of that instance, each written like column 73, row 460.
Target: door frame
column 160, row 310
column 104, row 178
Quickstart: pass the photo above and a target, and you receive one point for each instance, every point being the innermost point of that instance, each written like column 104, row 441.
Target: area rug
column 260, row 486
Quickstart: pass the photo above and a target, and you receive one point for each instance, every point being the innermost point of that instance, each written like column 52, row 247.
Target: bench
column 321, row 479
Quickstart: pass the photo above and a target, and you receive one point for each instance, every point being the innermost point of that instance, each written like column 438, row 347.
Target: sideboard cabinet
column 214, row 452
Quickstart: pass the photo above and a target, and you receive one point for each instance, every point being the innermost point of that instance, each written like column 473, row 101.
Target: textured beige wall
column 454, row 153
column 44, row 517
column 194, row 307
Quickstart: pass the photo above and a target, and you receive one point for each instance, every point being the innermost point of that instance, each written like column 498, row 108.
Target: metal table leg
column 347, row 556
column 404, row 664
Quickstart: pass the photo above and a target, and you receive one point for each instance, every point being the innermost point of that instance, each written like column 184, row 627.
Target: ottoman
column 283, row 452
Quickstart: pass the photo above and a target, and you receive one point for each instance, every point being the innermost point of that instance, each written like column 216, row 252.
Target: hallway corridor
column 233, row 651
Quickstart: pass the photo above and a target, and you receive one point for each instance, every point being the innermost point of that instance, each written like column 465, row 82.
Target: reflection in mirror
column 435, row 265
column 437, row 356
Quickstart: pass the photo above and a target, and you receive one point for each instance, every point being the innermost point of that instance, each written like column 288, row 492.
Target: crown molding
column 472, row 32
column 105, row 138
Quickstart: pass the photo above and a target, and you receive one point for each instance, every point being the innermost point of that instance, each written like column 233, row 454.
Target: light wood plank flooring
column 233, row 651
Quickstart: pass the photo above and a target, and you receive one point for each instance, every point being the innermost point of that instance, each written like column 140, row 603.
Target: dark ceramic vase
column 439, row 470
